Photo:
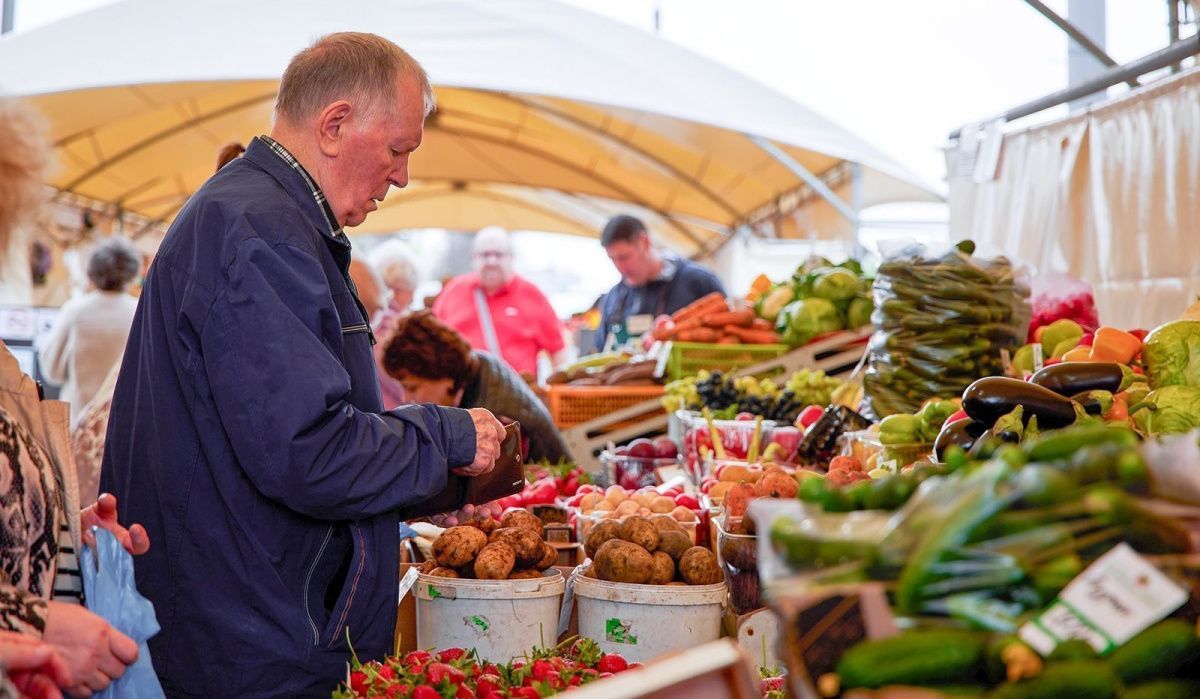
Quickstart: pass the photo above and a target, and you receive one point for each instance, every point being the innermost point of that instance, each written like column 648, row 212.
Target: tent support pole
column 809, row 178
column 856, row 201
column 1146, row 64
column 1078, row 37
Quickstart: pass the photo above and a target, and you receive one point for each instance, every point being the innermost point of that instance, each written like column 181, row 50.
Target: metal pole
column 1159, row 59
column 7, row 12
column 810, row 179
column 856, row 201
column 1173, row 27
column 1076, row 35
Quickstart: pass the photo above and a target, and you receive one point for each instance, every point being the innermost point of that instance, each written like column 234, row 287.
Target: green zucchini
column 922, row 657
column 1163, row 689
column 1156, row 652
column 1076, row 679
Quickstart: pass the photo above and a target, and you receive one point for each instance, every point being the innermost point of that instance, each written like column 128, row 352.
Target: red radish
column 688, row 501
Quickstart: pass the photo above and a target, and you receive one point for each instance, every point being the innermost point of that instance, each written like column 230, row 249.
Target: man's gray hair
column 358, row 67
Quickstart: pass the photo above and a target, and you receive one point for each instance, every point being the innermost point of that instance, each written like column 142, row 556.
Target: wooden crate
column 575, row 405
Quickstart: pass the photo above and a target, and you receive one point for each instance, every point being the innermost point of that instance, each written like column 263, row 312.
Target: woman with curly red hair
column 434, row 364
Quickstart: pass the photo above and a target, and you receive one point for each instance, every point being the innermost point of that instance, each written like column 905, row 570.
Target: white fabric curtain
column 1111, row 196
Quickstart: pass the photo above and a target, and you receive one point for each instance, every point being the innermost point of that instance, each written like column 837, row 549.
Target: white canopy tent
column 549, row 118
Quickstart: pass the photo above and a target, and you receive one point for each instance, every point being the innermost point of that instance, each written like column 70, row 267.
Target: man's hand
column 95, row 652
column 488, row 435
column 103, row 514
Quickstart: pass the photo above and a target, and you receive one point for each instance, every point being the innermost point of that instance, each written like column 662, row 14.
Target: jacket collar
column 291, row 175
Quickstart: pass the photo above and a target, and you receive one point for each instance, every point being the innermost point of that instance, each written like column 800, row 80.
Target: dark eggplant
column 962, row 432
column 1070, row 378
column 989, row 399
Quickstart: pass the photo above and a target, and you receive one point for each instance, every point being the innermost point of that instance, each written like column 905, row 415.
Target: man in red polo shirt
column 498, row 311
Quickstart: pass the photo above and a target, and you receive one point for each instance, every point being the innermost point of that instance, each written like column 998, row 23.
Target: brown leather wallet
column 507, row 478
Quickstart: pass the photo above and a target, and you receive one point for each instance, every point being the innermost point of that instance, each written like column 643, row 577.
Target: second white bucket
column 501, row 619
column 641, row 622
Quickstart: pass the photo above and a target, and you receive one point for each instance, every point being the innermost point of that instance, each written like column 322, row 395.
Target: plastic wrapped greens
column 942, row 322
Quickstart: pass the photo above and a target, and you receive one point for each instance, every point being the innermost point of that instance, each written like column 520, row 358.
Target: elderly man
column 652, row 284
column 499, row 311
column 246, row 429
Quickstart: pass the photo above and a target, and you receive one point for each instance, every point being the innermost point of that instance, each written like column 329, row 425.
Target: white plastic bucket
column 644, row 621
column 500, row 619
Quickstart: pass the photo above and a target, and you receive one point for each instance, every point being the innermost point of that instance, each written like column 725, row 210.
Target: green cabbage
column 1168, row 410
column 1172, row 354
column 800, row 321
column 836, row 284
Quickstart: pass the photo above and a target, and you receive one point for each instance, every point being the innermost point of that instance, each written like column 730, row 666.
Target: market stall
column 543, row 121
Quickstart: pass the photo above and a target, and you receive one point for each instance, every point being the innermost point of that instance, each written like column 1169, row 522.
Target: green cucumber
column 1077, row 679
column 1156, row 652
column 1163, row 689
column 922, row 657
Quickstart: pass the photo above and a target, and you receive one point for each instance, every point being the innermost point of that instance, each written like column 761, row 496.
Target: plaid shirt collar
column 335, row 230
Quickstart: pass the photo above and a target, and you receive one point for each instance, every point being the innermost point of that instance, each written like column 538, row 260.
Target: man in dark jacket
column 247, row 430
column 651, row 284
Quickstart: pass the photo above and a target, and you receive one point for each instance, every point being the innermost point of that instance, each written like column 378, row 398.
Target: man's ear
column 331, row 127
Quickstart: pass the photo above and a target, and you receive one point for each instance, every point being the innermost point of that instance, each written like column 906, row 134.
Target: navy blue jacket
column 682, row 282
column 246, row 434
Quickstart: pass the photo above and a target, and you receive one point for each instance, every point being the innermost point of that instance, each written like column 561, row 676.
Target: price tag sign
column 1116, row 598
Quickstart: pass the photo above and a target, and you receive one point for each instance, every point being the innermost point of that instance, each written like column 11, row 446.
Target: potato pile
column 653, row 550
column 511, row 549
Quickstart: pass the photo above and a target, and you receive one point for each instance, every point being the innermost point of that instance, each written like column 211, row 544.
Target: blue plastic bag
column 111, row 593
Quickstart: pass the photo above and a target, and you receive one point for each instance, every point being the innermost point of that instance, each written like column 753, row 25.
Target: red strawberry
column 450, row 655
column 635, row 666
column 488, row 682
column 387, row 672
column 436, row 672
column 358, row 683
column 611, row 662
column 424, row 691
column 542, row 670
column 465, row 692
column 575, row 680
column 397, row 690
column 770, row 684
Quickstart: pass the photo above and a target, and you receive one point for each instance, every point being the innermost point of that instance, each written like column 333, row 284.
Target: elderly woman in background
column 394, row 264
column 434, row 364
column 88, row 337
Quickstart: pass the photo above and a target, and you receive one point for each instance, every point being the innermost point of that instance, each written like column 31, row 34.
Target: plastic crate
column 689, row 358
column 573, row 405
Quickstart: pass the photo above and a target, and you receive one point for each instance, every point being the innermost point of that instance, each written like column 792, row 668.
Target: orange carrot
column 742, row 318
column 705, row 304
